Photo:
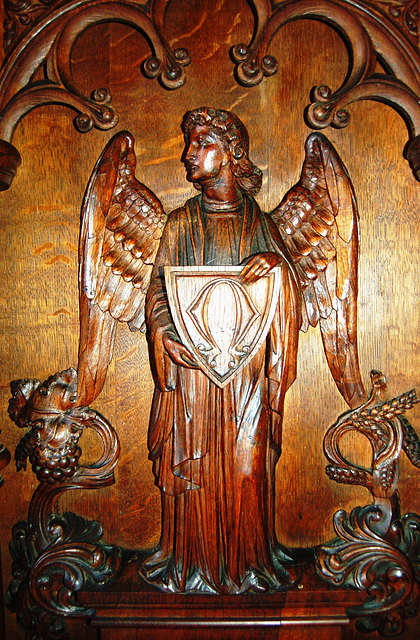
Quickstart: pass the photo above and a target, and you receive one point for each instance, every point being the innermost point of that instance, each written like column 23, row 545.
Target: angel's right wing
column 122, row 223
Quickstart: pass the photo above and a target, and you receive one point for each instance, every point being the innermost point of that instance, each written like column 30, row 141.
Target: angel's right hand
column 178, row 353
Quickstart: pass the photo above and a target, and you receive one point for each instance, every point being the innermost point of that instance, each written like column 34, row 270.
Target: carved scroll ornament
column 404, row 13
column 48, row 46
column 376, row 550
column 55, row 554
column 40, row 34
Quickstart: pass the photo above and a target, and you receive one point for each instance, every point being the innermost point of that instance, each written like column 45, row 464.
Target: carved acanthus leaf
column 383, row 567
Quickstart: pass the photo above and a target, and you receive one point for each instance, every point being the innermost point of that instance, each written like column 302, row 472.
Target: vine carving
column 55, row 554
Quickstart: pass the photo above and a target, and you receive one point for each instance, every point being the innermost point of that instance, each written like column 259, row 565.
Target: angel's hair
column 232, row 133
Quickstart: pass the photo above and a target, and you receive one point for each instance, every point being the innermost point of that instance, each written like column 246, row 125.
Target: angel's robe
column 214, row 450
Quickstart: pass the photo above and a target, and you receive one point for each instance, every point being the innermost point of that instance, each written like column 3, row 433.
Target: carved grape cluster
column 55, row 466
column 52, row 460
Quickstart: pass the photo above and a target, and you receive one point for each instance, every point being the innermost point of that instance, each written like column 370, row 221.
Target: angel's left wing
column 122, row 223
column 318, row 221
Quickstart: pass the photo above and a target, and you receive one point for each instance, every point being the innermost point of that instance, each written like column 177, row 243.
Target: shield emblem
column 222, row 321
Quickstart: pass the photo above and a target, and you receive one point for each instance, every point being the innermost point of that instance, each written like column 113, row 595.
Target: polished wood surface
column 136, row 611
column 40, row 222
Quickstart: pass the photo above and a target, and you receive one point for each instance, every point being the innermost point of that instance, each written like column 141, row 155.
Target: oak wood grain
column 39, row 235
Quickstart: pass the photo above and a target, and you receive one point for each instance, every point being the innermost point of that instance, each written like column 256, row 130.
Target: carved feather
column 122, row 223
column 318, row 221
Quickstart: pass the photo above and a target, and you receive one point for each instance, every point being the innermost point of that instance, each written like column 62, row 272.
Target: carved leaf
column 385, row 568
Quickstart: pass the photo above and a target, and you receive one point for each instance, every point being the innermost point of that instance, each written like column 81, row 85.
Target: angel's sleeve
column 158, row 316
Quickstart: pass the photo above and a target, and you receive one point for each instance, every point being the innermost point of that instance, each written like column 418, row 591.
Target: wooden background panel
column 39, row 227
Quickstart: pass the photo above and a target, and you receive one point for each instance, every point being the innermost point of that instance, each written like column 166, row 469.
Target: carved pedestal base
column 129, row 609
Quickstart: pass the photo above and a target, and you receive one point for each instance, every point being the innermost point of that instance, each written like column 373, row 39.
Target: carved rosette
column 376, row 551
column 55, row 554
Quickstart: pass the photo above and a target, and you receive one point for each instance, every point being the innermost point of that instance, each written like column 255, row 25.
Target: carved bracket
column 55, row 554
column 369, row 35
column 47, row 48
column 376, row 550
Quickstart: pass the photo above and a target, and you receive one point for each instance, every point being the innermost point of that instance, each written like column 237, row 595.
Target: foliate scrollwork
column 384, row 567
column 253, row 61
column 404, row 12
column 55, row 554
column 376, row 550
column 20, row 16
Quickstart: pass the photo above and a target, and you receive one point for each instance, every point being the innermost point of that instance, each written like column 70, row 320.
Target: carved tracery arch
column 369, row 33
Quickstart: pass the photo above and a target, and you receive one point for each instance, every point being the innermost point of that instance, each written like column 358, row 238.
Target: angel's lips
column 190, row 168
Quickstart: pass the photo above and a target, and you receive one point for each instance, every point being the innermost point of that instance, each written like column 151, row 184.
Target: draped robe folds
column 214, row 450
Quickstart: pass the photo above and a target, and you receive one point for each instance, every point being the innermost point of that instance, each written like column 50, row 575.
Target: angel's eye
column 205, row 142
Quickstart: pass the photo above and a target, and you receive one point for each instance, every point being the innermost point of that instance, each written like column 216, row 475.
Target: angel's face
column 205, row 156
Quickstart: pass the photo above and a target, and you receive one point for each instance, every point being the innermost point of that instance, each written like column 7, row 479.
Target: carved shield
column 222, row 321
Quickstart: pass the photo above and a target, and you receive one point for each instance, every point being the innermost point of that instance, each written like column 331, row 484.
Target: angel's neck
column 214, row 206
column 220, row 188
column 221, row 193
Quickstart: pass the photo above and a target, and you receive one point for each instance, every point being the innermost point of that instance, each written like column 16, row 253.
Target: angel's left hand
column 258, row 266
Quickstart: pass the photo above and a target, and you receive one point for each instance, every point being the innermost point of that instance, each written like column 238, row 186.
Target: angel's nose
column 190, row 153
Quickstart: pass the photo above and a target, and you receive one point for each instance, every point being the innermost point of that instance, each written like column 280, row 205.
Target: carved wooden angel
column 214, row 450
